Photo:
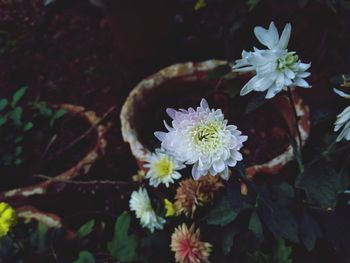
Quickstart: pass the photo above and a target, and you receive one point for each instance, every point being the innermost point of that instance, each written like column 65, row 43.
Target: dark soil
column 66, row 53
column 43, row 151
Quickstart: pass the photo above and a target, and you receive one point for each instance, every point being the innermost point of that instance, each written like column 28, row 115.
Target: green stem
column 298, row 154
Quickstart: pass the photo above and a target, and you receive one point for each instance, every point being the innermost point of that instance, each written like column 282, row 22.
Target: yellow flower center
column 207, row 136
column 287, row 62
column 163, row 167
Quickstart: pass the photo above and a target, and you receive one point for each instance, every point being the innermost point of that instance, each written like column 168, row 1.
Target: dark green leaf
column 57, row 115
column 18, row 161
column 3, row 104
column 123, row 246
column 228, row 236
column 278, row 220
column 222, row 214
column 200, row 4
column 44, row 110
column 42, row 236
column 321, row 184
column 234, row 87
column 282, row 193
column 86, row 229
column 3, row 120
column 28, row 126
column 18, row 150
column 219, row 72
column 252, row 4
column 309, row 230
column 256, row 102
column 18, row 139
column 18, row 95
column 282, row 253
column 16, row 115
column 345, row 4
column 255, row 225
column 85, row 257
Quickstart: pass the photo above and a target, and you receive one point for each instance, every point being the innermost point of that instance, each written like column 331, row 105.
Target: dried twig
column 93, row 182
column 87, row 132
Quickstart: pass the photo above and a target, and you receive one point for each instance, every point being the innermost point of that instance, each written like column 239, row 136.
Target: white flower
column 343, row 119
column 162, row 168
column 202, row 137
column 276, row 68
column 141, row 204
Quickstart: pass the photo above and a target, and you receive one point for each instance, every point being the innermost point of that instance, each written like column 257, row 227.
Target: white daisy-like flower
column 276, row 68
column 343, row 119
column 202, row 137
column 141, row 204
column 163, row 168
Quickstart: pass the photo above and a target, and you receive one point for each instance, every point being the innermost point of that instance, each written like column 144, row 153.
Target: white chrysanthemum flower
column 343, row 119
column 276, row 68
column 202, row 137
column 141, row 204
column 162, row 168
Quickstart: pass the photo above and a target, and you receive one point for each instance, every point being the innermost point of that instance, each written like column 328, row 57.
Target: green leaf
column 278, row 219
column 28, row 126
column 85, row 257
column 228, row 236
column 219, row 72
column 282, row 253
column 256, row 102
column 16, row 115
column 18, row 161
column 86, row 229
column 18, row 150
column 222, row 214
column 57, row 115
column 255, row 225
column 123, row 246
column 252, row 4
column 200, row 4
column 42, row 232
column 309, row 230
column 18, row 139
column 3, row 104
column 234, row 87
column 44, row 110
column 3, row 120
column 282, row 193
column 321, row 183
column 18, row 95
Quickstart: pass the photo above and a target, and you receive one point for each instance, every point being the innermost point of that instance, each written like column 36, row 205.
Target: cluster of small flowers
column 199, row 137
column 202, row 138
column 8, row 218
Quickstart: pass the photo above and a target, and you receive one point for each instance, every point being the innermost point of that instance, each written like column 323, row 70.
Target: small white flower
column 202, row 137
column 141, row 204
column 276, row 68
column 343, row 119
column 162, row 168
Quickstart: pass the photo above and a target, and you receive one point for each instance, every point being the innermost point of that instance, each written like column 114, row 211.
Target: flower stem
column 292, row 103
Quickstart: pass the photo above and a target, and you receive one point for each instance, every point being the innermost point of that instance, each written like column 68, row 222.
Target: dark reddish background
column 74, row 52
